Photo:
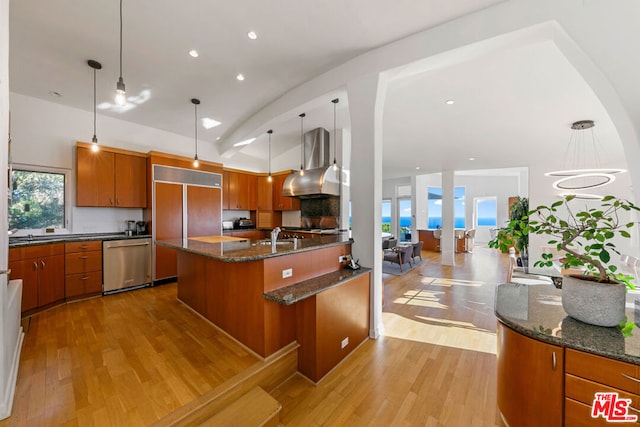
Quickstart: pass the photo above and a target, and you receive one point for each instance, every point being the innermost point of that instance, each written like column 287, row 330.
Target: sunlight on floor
column 421, row 298
column 456, row 334
column 441, row 281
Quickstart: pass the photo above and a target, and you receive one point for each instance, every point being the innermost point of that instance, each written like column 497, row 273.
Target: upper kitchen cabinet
column 110, row 178
column 265, row 194
column 239, row 191
column 281, row 203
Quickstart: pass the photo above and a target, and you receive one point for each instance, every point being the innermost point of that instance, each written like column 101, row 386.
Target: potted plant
column 586, row 238
column 516, row 233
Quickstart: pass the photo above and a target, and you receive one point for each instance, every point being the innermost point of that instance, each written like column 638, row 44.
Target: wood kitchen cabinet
column 281, row 203
column 265, row 194
column 41, row 269
column 83, row 269
column 239, row 191
column 530, row 380
column 110, row 179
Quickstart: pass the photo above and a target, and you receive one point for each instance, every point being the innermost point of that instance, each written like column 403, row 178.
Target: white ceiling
column 512, row 107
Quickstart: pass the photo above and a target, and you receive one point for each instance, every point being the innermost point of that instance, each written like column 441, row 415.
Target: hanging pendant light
column 195, row 103
column 335, row 134
column 120, row 98
column 96, row 66
column 582, row 171
column 302, row 116
column 270, row 131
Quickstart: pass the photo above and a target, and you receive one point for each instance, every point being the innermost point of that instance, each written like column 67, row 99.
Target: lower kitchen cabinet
column 530, row 380
column 83, row 269
column 41, row 269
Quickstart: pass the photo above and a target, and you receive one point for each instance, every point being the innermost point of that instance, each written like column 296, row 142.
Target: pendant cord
column 120, row 39
column 196, row 127
column 94, row 103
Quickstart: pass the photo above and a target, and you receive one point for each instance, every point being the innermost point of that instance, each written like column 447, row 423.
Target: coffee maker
column 130, row 229
column 141, row 228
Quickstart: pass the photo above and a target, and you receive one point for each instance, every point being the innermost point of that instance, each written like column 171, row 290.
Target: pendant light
column 335, row 135
column 120, row 98
column 302, row 116
column 96, row 66
column 195, row 103
column 270, row 131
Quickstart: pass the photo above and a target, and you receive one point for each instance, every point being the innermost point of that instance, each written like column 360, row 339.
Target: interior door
column 167, row 224
column 204, row 211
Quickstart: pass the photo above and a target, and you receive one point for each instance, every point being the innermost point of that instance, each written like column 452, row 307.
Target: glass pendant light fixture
column 302, row 116
column 96, row 66
column 120, row 98
column 335, row 134
column 582, row 171
column 270, row 131
column 195, row 103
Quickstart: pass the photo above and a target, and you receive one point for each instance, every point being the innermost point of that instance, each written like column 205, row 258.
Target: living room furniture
column 400, row 255
column 417, row 250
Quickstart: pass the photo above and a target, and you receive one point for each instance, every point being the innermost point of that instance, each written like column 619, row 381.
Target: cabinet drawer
column 95, row 245
column 83, row 283
column 602, row 370
column 27, row 252
column 82, row 262
column 584, row 391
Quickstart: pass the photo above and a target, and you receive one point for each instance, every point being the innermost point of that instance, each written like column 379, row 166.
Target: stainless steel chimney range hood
column 319, row 179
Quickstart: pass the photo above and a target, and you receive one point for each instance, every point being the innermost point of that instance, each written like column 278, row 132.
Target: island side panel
column 325, row 320
column 192, row 271
column 304, row 266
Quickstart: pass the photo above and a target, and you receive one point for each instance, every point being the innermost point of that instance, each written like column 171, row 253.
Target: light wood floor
column 129, row 359
column 121, row 360
column 435, row 364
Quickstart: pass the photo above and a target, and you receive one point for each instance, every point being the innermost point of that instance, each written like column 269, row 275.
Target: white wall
column 44, row 134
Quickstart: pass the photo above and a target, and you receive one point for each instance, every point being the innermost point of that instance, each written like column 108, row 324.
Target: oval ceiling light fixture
column 417, row 168
column 240, row 77
column 193, row 53
column 584, row 181
column 583, row 196
column 450, row 102
column 252, row 35
column 472, row 158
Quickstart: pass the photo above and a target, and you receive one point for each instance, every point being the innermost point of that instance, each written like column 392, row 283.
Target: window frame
column 67, row 196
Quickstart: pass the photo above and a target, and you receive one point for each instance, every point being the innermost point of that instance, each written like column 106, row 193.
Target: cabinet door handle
column 553, row 360
column 631, row 378
column 84, row 247
column 7, row 271
column 117, row 201
column 35, row 265
column 84, row 278
column 83, row 257
column 43, row 264
column 110, row 201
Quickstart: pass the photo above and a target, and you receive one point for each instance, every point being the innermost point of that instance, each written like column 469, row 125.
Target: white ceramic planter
column 600, row 304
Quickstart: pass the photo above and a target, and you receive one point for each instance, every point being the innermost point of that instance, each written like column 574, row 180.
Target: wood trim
column 284, row 172
column 111, row 149
column 160, row 155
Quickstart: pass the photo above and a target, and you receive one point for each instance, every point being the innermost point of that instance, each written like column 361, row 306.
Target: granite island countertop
column 308, row 288
column 253, row 250
column 536, row 311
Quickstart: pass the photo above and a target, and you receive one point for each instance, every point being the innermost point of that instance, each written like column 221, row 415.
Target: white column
column 366, row 101
column 447, row 242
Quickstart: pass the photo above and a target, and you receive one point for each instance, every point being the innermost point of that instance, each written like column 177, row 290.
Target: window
column 386, row 216
column 434, row 207
column 486, row 212
column 37, row 199
column 404, row 212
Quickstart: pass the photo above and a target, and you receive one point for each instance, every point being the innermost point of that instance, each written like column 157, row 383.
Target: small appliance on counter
column 243, row 223
column 141, row 228
column 227, row 225
column 130, row 229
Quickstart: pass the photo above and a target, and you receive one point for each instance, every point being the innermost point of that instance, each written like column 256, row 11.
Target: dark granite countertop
column 251, row 250
column 18, row 242
column 307, row 288
column 536, row 311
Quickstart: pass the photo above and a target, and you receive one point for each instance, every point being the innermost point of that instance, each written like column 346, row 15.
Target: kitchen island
column 231, row 283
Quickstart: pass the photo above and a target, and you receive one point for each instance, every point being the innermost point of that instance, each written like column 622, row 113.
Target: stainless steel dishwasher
column 126, row 264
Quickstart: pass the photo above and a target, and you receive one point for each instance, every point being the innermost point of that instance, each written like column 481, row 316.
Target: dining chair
column 417, row 250
column 400, row 255
column 470, row 235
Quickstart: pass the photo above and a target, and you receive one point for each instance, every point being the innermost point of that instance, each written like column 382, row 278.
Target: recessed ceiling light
column 56, row 94
column 194, row 53
column 417, row 168
column 218, row 139
column 472, row 158
column 252, row 35
column 449, row 102
column 209, row 123
column 240, row 77
column 245, row 142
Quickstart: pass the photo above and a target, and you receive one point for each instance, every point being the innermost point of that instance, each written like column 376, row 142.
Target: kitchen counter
column 16, row 242
column 251, row 250
column 536, row 311
column 294, row 293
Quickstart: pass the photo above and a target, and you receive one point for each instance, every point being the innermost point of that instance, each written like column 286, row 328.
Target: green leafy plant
column 585, row 236
column 516, row 233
